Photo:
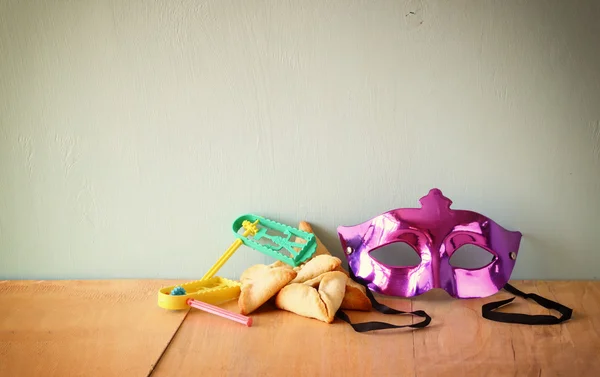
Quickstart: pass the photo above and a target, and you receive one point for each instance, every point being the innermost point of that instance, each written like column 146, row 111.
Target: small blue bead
column 178, row 291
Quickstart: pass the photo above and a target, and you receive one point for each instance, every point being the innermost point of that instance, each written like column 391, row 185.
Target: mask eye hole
column 471, row 257
column 397, row 254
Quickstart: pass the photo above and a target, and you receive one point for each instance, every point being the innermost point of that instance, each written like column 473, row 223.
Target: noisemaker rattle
column 210, row 290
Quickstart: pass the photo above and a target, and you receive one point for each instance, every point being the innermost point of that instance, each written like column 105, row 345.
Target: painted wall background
column 133, row 133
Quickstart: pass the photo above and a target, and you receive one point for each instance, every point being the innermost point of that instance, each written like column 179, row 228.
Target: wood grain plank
column 578, row 351
column 83, row 328
column 459, row 342
column 285, row 344
column 464, row 343
column 115, row 328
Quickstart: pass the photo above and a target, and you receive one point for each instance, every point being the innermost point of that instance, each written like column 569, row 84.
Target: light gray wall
column 132, row 133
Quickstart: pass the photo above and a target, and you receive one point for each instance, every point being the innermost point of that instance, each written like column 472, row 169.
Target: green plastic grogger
column 277, row 246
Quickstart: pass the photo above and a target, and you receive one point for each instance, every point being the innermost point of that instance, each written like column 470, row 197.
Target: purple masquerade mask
column 435, row 231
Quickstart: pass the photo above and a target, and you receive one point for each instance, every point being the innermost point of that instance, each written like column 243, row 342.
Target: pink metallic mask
column 435, row 231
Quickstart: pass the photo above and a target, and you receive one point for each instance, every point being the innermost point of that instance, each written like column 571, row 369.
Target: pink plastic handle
column 220, row 312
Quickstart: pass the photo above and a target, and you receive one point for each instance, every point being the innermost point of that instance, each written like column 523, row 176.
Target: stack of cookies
column 316, row 289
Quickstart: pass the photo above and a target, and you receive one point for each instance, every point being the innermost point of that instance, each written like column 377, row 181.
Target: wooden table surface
column 115, row 328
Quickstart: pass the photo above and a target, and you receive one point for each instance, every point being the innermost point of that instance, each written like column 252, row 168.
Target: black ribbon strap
column 381, row 308
column 487, row 310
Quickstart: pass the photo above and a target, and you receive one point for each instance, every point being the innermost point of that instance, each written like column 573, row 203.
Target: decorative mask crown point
column 435, row 199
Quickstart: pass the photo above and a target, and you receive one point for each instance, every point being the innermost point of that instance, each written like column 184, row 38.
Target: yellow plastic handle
column 250, row 230
column 221, row 261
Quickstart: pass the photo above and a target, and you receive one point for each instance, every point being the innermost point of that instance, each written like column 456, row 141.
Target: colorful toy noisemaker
column 257, row 234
